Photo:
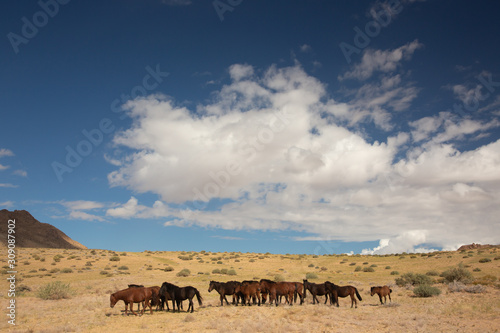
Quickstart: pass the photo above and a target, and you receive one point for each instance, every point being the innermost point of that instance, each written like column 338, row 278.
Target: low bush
column 413, row 279
column 461, row 287
column 311, row 276
column 66, row 270
column 123, row 268
column 183, row 273
column 279, row 278
column 425, row 290
column 459, row 274
column 114, row 258
column 368, row 269
column 358, row 268
column 168, row 269
column 484, row 260
column 231, row 272
column 432, row 273
column 55, row 290
column 394, row 273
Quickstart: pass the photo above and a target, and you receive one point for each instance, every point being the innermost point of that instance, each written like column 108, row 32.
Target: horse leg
column 191, row 305
column 390, row 297
column 132, row 308
column 380, row 296
column 126, row 308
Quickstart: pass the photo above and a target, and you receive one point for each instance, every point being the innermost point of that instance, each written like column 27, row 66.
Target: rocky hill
column 32, row 233
column 473, row 246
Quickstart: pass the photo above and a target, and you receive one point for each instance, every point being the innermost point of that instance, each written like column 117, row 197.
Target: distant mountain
column 32, row 233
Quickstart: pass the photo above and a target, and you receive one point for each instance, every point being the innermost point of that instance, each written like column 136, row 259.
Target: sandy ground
column 88, row 309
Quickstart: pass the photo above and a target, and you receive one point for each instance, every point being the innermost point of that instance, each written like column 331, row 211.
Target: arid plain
column 93, row 275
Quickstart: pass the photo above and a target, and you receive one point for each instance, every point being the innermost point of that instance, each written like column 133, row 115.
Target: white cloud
column 238, row 72
column 406, row 242
column 20, row 173
column 5, row 152
column 132, row 209
column 305, row 48
column 79, row 215
column 381, row 61
column 447, row 126
column 82, row 205
column 8, row 185
column 272, row 147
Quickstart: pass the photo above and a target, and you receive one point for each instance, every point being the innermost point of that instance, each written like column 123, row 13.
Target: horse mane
column 266, row 280
column 135, row 286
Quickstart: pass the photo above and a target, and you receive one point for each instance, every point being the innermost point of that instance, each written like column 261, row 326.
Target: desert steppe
column 94, row 274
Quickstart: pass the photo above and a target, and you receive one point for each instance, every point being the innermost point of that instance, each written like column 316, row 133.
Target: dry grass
column 88, row 310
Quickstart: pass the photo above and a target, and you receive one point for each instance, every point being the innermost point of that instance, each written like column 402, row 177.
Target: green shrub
column 66, row 270
column 185, row 272
column 358, row 268
column 425, row 290
column 123, row 268
column 352, row 264
column 310, row 265
column 484, row 260
column 368, row 269
column 54, row 270
column 279, row 278
column 311, row 276
column 55, row 290
column 459, row 274
column 216, row 271
column 114, row 258
column 413, row 279
column 223, row 271
column 168, row 269
column 104, row 273
column 387, row 267
column 231, row 272
column 251, row 260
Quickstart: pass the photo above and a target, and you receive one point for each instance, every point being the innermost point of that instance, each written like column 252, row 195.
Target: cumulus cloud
column 271, row 151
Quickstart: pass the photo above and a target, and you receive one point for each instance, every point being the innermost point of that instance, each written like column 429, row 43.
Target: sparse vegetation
column 55, row 290
column 459, row 274
column 184, row 272
column 413, row 279
column 311, row 276
column 426, row 290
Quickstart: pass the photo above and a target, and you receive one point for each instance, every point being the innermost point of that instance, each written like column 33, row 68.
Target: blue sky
column 262, row 126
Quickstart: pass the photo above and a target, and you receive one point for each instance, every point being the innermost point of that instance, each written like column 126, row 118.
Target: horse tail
column 357, row 294
column 198, row 296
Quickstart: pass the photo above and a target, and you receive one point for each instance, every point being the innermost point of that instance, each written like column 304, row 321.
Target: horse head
column 112, row 300
column 212, row 286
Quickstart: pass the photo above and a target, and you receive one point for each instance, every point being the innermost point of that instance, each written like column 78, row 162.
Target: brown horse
column 299, row 288
column 131, row 296
column 316, row 289
column 249, row 290
column 382, row 292
column 224, row 288
column 276, row 289
column 344, row 291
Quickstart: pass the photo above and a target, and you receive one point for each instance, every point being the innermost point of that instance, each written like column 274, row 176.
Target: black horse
column 179, row 294
column 316, row 289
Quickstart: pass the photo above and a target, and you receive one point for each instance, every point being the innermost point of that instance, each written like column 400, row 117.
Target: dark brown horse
column 178, row 294
column 299, row 290
column 382, row 292
column 344, row 291
column 131, row 296
column 249, row 290
column 276, row 289
column 224, row 289
column 316, row 289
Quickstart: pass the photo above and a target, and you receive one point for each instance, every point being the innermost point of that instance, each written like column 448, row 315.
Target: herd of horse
column 244, row 292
